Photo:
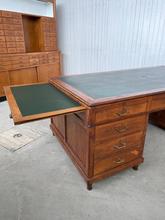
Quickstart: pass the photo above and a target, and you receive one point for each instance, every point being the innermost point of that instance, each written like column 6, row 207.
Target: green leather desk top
column 117, row 83
column 41, row 98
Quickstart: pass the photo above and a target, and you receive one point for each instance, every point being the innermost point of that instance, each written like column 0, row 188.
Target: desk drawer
column 122, row 144
column 158, row 102
column 108, row 163
column 121, row 109
column 120, row 128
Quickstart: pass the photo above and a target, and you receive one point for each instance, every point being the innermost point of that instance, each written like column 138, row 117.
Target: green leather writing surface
column 41, row 98
column 118, row 83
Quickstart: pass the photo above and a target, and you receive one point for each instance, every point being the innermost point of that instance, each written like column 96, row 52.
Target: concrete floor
column 39, row 182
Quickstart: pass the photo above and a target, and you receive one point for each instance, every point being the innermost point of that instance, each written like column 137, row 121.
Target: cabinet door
column 38, row 101
column 23, row 76
column 47, row 71
column 4, row 81
column 59, row 123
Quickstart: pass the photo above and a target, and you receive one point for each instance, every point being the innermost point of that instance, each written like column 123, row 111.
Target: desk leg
column 135, row 167
column 158, row 119
column 89, row 186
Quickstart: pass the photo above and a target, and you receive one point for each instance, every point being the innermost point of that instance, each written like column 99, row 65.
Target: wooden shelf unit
column 32, row 33
column 28, row 49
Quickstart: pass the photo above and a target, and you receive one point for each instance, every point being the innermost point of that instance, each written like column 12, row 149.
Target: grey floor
column 39, row 182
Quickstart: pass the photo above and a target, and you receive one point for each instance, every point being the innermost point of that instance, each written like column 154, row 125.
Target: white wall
column 102, row 35
column 27, row 6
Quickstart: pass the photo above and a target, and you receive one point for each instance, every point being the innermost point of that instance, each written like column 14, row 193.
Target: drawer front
column 158, row 102
column 120, row 128
column 17, row 21
column 11, row 50
column 34, row 61
column 19, row 39
column 18, row 66
column 19, row 34
column 2, row 33
column 19, row 58
column 20, row 44
column 120, row 110
column 6, row 14
column 108, row 163
column 3, row 50
column 11, row 44
column 122, row 144
column 10, row 39
column 2, row 39
column 21, row 50
column 3, row 44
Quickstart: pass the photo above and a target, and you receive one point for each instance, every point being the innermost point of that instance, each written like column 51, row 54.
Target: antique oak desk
column 100, row 118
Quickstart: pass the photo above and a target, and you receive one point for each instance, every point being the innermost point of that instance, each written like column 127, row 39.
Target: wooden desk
column 103, row 130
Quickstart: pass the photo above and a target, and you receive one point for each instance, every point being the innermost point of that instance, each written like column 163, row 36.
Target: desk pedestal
column 158, row 119
column 101, row 150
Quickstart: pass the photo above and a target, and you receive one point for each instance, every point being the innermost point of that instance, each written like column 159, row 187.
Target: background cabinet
column 28, row 49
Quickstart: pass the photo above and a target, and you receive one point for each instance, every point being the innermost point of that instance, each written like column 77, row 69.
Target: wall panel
column 104, row 35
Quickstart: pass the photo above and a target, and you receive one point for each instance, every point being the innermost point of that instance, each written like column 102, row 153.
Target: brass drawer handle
column 119, row 161
column 124, row 112
column 120, row 146
column 121, row 129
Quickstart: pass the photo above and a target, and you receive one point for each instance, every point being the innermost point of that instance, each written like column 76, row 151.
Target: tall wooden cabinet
column 28, row 49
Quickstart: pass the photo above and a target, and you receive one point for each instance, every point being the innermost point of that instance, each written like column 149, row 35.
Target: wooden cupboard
column 28, row 49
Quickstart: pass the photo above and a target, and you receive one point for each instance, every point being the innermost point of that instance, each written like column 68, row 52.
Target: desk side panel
column 73, row 132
